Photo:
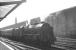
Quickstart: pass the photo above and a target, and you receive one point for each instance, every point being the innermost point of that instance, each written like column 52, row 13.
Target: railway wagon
column 63, row 22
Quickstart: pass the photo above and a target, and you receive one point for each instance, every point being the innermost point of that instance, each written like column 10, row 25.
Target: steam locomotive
column 36, row 35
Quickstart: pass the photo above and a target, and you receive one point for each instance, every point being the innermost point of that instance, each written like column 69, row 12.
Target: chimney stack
column 15, row 20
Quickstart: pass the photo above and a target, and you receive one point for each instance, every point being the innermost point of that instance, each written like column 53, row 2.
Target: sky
column 36, row 8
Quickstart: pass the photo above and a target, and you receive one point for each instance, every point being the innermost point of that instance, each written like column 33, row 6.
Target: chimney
column 15, row 20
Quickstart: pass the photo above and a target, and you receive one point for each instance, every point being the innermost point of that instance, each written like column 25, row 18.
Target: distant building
column 35, row 21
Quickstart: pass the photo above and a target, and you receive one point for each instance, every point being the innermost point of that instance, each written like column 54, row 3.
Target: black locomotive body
column 38, row 35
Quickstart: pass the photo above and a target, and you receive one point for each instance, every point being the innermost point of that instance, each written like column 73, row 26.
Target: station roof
column 7, row 6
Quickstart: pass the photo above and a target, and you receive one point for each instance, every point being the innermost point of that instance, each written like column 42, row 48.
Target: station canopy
column 7, row 6
column 8, row 0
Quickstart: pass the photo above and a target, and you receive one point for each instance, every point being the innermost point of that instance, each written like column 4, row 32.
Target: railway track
column 65, row 43
column 20, row 46
column 17, row 45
